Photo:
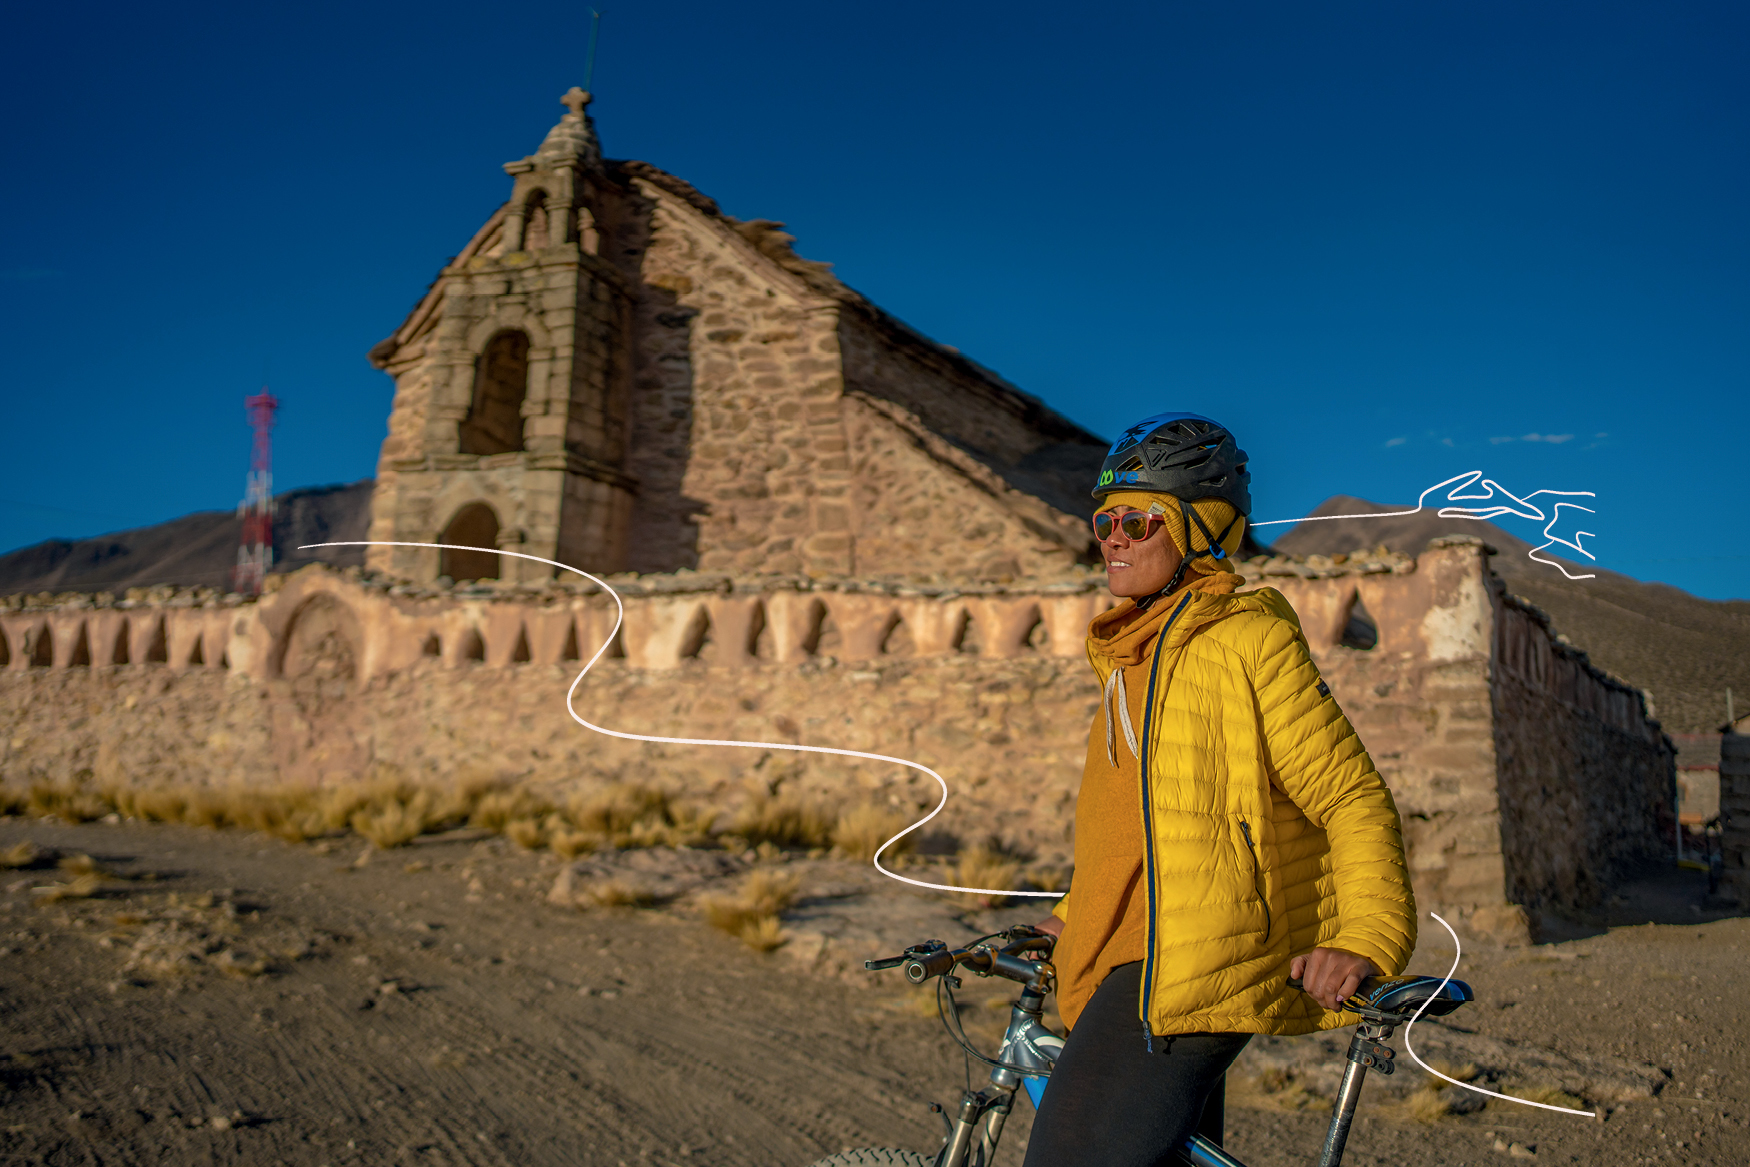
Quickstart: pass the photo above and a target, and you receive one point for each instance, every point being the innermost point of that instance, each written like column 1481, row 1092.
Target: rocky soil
column 220, row 997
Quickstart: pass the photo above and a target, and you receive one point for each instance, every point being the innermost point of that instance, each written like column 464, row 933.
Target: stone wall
column 1588, row 783
column 1524, row 777
column 1735, row 815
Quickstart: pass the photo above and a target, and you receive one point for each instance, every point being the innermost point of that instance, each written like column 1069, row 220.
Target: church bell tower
column 511, row 418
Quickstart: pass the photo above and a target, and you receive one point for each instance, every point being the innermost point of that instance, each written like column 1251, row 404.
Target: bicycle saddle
column 1404, row 995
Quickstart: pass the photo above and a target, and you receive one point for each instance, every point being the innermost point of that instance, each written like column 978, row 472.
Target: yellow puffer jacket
column 1267, row 830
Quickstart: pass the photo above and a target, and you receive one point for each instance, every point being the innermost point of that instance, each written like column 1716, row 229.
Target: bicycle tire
column 875, row 1157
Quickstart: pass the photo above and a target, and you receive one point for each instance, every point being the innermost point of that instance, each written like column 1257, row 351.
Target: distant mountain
column 1682, row 650
column 195, row 550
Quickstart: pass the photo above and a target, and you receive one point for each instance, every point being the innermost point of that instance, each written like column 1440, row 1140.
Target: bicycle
column 1029, row 1049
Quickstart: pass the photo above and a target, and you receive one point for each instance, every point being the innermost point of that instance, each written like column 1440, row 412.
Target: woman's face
column 1138, row 567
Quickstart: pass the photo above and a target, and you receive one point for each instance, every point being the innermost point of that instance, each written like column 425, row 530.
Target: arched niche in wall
column 494, row 424
column 321, row 643
column 1360, row 629
column 475, row 525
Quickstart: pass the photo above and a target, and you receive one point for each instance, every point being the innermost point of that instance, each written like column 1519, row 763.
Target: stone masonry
column 1526, row 779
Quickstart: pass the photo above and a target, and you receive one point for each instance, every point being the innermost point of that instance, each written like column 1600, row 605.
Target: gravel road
column 226, row 998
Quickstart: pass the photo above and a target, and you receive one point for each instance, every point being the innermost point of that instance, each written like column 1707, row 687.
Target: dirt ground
column 224, row 998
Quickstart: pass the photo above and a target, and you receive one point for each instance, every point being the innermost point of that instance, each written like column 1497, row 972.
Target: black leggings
column 1111, row 1103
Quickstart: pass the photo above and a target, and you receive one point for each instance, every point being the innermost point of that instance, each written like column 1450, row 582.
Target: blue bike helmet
column 1185, row 455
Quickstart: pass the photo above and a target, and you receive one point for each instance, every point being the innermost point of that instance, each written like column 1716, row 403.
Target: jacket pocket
column 1258, row 887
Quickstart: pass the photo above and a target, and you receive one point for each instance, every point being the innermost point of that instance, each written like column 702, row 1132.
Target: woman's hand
column 1331, row 975
column 1051, row 926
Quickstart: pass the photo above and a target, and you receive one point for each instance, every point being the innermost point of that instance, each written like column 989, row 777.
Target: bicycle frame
column 1029, row 1050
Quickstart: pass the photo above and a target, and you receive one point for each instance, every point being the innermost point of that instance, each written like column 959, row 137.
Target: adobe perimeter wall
column 334, row 677
column 1588, row 782
column 1735, row 815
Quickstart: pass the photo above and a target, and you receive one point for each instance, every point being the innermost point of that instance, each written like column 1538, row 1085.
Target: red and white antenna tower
column 255, row 552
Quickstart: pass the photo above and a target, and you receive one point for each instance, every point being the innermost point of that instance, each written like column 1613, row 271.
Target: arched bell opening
column 494, row 424
column 537, row 232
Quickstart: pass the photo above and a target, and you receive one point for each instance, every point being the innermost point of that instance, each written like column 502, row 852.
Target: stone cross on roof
column 576, row 99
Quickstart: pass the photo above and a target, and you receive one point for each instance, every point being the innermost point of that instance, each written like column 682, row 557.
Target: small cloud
column 1601, row 435
column 1446, row 441
column 1558, row 439
column 1396, row 441
column 1498, row 441
column 1532, row 438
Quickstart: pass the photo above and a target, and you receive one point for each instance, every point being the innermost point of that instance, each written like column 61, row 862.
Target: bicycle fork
column 976, row 1109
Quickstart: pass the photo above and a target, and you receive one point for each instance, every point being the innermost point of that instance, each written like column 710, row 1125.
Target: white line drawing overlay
column 1457, row 953
column 1520, row 507
column 619, row 618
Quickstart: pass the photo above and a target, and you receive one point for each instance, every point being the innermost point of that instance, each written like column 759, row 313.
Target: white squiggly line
column 1525, row 510
column 1457, row 952
column 619, row 619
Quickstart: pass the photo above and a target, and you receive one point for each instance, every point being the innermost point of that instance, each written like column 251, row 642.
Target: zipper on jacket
column 1257, row 877
column 1148, row 829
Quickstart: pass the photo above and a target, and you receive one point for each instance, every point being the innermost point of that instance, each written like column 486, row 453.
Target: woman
column 1231, row 831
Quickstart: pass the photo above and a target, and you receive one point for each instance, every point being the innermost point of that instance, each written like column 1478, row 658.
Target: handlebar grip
column 919, row 969
column 1296, row 983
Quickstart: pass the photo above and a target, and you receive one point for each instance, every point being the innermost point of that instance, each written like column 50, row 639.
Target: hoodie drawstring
column 1115, row 690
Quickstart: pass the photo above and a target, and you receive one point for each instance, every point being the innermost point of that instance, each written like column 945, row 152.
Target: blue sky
column 1386, row 243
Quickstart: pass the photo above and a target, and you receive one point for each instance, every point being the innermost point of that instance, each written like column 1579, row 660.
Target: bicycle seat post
column 1364, row 1051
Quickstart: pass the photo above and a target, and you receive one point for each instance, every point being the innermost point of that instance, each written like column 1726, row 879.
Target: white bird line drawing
column 1520, row 507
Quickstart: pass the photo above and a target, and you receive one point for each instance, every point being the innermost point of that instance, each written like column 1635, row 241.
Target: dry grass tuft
column 528, row 834
column 630, row 815
column 860, row 832
column 787, row 821
column 1285, row 1091
column 770, row 892
column 763, row 934
column 984, row 866
column 617, row 893
column 753, row 916
column 81, row 864
column 1548, row 1095
column 72, row 802
column 569, row 845
column 80, row 887
column 389, row 810
column 1435, row 1099
column 241, row 965
column 394, row 822
column 1430, row 1103
column 25, row 854
column 495, row 810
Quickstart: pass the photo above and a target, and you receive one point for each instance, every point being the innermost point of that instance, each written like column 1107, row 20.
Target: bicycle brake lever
column 881, row 965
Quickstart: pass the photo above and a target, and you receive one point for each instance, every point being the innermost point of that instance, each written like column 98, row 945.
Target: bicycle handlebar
column 933, row 958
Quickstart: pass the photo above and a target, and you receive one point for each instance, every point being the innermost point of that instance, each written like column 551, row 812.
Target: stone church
column 616, row 374
column 847, row 536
